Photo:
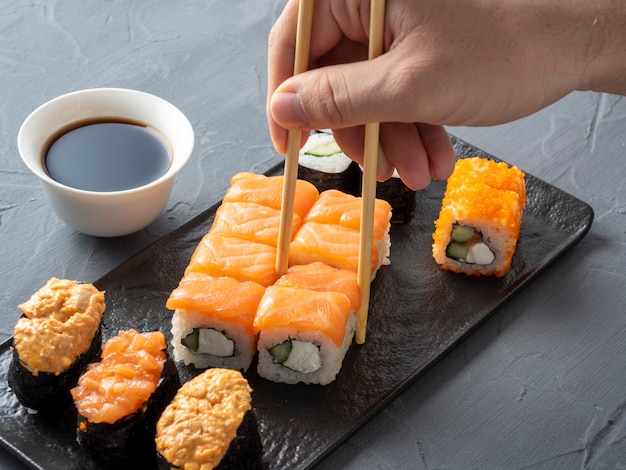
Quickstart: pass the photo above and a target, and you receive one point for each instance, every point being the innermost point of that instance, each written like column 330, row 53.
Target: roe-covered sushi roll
column 120, row 398
column 481, row 214
column 56, row 337
column 212, row 325
column 210, row 423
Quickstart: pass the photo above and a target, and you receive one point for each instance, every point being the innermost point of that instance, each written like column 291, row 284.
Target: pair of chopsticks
column 303, row 43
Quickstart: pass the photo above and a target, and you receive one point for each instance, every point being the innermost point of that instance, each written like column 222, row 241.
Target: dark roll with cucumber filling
column 399, row 196
column 323, row 163
column 210, row 424
column 57, row 336
column 120, row 398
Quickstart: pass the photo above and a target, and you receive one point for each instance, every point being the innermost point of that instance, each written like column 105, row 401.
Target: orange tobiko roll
column 480, row 218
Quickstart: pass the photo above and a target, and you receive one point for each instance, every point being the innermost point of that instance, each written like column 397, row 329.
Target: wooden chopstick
column 303, row 45
column 368, row 193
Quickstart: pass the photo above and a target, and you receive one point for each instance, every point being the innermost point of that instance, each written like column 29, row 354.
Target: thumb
column 337, row 96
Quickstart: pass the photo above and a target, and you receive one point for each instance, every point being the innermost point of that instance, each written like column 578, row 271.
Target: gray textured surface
column 540, row 385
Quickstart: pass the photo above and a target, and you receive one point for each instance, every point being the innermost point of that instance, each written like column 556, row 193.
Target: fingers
column 419, row 152
column 281, row 57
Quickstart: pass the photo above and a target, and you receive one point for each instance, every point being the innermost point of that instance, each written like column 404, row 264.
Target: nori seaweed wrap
column 120, row 399
column 399, row 195
column 210, row 423
column 58, row 334
column 323, row 163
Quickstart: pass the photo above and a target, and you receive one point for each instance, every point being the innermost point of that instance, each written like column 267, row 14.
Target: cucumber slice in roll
column 281, row 351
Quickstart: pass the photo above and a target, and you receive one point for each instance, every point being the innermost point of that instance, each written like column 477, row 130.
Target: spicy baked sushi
column 58, row 334
column 210, row 423
column 119, row 399
column 212, row 324
column 480, row 218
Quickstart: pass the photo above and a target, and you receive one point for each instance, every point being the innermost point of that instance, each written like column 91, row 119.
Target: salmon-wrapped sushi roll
column 58, row 334
column 234, row 257
column 268, row 191
column 251, row 221
column 304, row 334
column 212, row 325
column 120, row 398
column 481, row 214
column 330, row 233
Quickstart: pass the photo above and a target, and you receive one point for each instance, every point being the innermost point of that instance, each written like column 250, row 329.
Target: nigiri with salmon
column 119, row 398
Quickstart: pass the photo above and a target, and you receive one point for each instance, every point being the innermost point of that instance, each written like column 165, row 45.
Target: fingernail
column 287, row 110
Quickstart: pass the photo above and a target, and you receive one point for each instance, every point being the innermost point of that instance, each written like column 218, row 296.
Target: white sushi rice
column 336, row 163
column 331, row 355
column 183, row 323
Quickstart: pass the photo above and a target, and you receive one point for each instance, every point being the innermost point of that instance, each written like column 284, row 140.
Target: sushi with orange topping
column 330, row 233
column 118, row 399
column 306, row 323
column 231, row 303
column 480, row 218
column 58, row 334
column 212, row 324
column 210, row 423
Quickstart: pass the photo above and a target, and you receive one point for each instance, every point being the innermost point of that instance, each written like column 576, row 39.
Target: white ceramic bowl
column 116, row 213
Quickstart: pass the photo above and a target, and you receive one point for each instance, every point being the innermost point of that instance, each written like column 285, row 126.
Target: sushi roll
column 212, row 324
column 234, row 257
column 321, row 277
column 250, row 221
column 210, row 423
column 58, row 334
column 119, row 399
column 322, row 162
column 330, row 233
column 304, row 334
column 268, row 191
column 481, row 214
column 399, row 195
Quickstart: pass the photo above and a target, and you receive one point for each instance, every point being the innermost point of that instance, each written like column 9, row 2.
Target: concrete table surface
column 541, row 384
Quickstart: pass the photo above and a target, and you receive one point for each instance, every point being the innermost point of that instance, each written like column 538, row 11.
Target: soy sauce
column 110, row 155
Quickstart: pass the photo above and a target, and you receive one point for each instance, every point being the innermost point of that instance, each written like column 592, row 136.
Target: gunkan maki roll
column 55, row 338
column 120, row 398
column 323, row 163
column 210, row 423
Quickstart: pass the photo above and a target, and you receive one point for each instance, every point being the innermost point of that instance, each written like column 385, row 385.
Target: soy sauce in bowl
column 107, row 155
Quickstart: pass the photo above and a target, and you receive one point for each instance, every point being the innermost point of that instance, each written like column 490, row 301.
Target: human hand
column 453, row 62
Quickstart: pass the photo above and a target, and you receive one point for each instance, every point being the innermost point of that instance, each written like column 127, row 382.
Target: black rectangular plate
column 418, row 312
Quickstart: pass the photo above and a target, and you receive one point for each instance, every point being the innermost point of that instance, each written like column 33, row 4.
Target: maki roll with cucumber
column 120, row 398
column 480, row 219
column 212, row 325
column 58, row 334
column 304, row 334
column 399, row 196
column 210, row 423
column 323, row 163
